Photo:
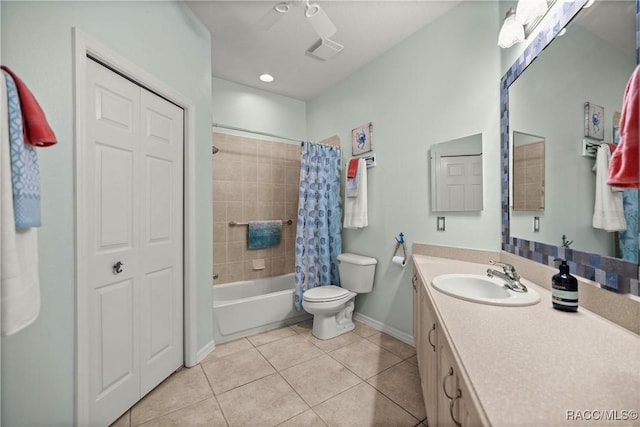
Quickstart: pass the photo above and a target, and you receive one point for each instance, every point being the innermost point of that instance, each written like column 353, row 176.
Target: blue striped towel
column 263, row 234
column 25, row 174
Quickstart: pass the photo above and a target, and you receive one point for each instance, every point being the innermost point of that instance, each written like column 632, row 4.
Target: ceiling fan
column 317, row 17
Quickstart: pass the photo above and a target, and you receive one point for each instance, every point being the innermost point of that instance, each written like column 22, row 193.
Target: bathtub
column 251, row 306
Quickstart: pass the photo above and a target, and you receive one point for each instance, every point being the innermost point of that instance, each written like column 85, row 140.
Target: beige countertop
column 534, row 365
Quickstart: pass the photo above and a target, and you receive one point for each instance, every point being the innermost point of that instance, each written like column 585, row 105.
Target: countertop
column 534, row 365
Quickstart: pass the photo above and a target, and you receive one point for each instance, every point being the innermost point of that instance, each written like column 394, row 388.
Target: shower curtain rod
column 218, row 125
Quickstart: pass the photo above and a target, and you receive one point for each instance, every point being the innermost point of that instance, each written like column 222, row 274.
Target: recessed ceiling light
column 267, row 78
column 282, row 7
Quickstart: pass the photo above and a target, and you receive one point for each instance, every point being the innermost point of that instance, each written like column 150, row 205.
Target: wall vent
column 324, row 49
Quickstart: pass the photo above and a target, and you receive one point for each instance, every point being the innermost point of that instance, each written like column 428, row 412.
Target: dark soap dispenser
column 564, row 289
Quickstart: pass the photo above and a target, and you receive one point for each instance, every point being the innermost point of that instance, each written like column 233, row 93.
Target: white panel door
column 460, row 183
column 161, row 246
column 134, row 235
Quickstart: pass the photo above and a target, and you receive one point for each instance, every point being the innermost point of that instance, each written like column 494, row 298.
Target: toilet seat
column 326, row 294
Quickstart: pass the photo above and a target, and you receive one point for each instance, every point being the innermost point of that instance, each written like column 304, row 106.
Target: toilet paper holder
column 400, row 243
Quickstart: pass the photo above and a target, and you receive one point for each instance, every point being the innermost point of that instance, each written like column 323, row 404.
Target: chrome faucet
column 509, row 275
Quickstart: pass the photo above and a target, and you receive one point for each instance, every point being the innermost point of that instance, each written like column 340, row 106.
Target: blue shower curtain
column 319, row 226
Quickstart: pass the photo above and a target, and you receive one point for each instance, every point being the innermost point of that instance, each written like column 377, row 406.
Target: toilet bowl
column 332, row 306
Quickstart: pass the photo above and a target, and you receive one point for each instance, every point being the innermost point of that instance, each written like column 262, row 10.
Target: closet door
column 133, row 171
column 161, row 245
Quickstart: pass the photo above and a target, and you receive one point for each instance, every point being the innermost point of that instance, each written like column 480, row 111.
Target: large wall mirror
column 544, row 93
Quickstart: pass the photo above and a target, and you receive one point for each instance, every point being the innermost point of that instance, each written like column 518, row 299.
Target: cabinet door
column 449, row 393
column 426, row 347
column 468, row 413
column 416, row 313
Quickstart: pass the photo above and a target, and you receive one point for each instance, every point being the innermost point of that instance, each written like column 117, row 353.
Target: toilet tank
column 356, row 272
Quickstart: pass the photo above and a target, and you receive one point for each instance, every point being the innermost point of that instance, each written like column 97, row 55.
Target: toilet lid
column 325, row 293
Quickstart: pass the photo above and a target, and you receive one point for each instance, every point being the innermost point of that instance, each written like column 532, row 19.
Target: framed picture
column 361, row 140
column 593, row 121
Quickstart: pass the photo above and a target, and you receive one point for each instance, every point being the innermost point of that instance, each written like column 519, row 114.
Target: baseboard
column 204, row 351
column 396, row 333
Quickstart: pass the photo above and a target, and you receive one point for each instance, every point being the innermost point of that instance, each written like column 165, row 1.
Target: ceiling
column 241, row 50
column 613, row 21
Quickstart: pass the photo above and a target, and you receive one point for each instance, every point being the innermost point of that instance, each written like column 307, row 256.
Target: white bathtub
column 251, row 306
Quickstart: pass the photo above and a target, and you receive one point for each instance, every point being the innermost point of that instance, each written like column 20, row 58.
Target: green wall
column 258, row 110
column 166, row 40
column 442, row 83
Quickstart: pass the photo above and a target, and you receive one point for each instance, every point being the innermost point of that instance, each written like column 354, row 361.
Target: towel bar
column 234, row 223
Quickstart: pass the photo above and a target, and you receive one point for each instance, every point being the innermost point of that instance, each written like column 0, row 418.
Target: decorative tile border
column 612, row 273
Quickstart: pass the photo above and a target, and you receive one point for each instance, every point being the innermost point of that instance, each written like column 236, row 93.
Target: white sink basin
column 483, row 290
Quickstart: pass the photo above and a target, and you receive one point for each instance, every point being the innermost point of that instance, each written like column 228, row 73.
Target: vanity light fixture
column 527, row 11
column 512, row 31
column 266, row 77
column 519, row 24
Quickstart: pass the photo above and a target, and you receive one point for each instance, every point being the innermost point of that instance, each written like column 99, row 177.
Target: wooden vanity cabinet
column 426, row 336
column 447, row 398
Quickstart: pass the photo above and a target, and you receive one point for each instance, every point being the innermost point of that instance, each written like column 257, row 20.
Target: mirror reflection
column 589, row 63
column 528, row 172
column 456, row 174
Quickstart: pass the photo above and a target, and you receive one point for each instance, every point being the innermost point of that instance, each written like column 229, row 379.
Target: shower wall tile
column 220, row 211
column 234, row 211
column 277, row 173
column 253, row 180
column 220, row 232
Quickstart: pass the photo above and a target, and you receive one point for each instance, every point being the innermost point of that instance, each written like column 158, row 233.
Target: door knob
column 117, row 267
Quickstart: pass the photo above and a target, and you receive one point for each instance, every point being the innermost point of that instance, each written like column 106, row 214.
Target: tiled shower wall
column 253, row 180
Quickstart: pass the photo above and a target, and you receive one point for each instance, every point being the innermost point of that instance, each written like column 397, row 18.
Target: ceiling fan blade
column 320, row 21
column 273, row 15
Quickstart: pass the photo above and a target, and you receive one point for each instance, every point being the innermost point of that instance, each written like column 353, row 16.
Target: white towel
column 608, row 212
column 19, row 281
column 355, row 208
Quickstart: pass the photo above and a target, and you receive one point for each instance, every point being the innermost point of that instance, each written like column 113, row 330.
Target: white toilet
column 332, row 306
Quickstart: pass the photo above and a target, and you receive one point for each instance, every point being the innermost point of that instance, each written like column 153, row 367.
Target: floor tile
column 303, row 327
column 266, row 402
column 306, row 419
column 236, row 369
column 335, row 343
column 230, row 347
column 401, row 383
column 364, row 330
column 181, row 389
column 205, row 413
column 319, row 379
column 363, row 406
column 272, row 335
column 413, row 360
column 289, row 351
column 364, row 358
column 395, row 346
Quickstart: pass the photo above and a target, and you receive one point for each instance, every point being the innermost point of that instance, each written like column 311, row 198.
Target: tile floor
column 287, row 377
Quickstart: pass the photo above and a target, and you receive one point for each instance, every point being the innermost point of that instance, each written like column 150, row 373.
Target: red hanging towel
column 624, row 163
column 353, row 168
column 35, row 127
